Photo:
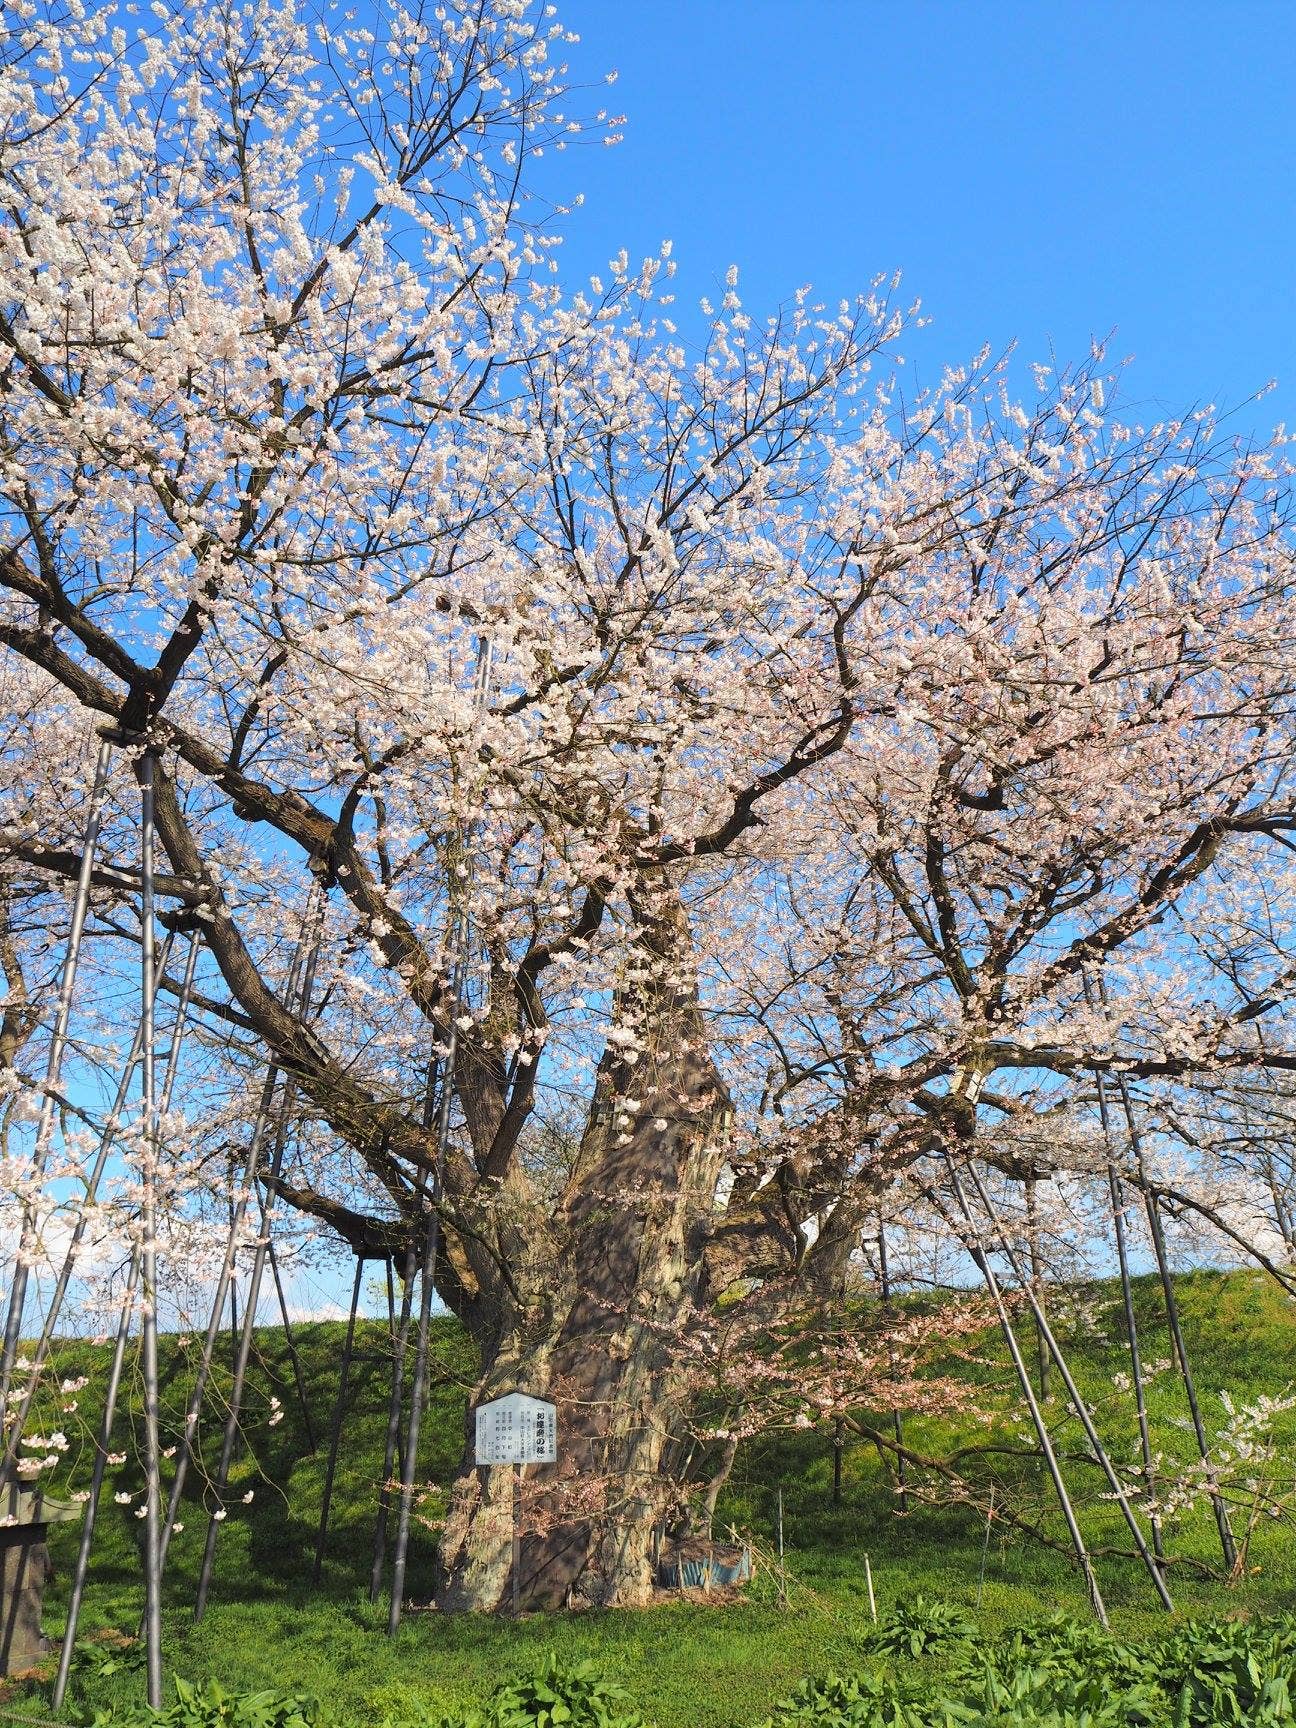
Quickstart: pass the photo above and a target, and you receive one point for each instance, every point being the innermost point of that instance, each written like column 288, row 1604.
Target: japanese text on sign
column 517, row 1429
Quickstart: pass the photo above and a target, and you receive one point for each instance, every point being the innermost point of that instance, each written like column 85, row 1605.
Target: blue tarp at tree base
column 698, row 1565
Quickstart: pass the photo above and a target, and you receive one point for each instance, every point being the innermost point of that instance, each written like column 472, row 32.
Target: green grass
column 685, row 1664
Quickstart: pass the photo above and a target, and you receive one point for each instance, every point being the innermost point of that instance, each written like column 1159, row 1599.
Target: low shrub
column 860, row 1701
column 211, row 1706
column 918, row 1626
column 1231, row 1673
column 555, row 1695
column 1061, row 1673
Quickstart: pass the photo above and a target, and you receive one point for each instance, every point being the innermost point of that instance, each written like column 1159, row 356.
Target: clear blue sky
column 1038, row 172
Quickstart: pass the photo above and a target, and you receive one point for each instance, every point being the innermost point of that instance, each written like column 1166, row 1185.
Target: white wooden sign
column 517, row 1429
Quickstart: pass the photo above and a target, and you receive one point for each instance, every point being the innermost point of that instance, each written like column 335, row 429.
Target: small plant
column 555, row 1695
column 1043, row 1695
column 95, row 1660
column 211, row 1706
column 860, row 1701
column 1074, row 1649
column 1232, row 1673
column 919, row 1626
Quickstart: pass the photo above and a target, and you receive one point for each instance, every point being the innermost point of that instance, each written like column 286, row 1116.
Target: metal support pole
column 985, row 1548
column 517, row 1541
column 393, row 1443
column 299, row 1379
column 982, row 1261
column 148, row 1250
column 335, row 1434
column 102, row 1448
column 250, row 1299
column 1117, row 1195
column 233, row 1283
column 783, row 1596
column 1078, row 1404
column 225, row 1280
column 106, row 1139
column 230, row 1435
column 1032, row 1237
column 418, row 1398
column 897, row 1424
column 172, row 1067
column 53, row 1068
column 224, row 1285
column 1228, row 1548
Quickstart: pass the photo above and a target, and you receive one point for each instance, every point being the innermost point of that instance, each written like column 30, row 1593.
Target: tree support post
column 982, row 1261
column 1081, row 1408
column 400, row 1338
column 41, row 1352
column 427, row 1285
column 1228, row 1547
column 517, row 1541
column 459, row 950
column 224, row 1286
column 335, row 1432
column 250, row 1309
column 1032, row 1237
column 225, row 1278
column 53, row 1067
column 1117, row 1195
column 884, row 1279
column 103, row 1445
column 299, row 1379
column 148, row 1249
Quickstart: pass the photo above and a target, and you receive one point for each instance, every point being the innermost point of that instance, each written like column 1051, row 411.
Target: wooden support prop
column 985, row 1547
column 1117, row 1196
column 1042, row 1357
column 783, row 1592
column 427, row 1287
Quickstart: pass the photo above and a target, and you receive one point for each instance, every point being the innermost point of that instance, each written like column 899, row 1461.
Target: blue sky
column 1040, row 173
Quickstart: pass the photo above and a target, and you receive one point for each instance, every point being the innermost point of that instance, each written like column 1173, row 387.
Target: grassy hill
column 686, row 1663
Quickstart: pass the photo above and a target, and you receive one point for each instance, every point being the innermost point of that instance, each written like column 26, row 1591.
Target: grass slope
column 685, row 1663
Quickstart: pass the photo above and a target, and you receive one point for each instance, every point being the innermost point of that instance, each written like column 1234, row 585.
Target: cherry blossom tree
column 704, row 776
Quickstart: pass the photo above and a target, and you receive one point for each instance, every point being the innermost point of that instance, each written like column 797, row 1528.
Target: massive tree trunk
column 602, row 1328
